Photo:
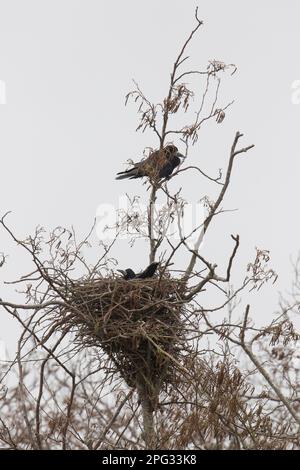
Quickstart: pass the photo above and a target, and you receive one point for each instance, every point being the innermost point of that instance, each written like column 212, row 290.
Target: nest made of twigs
column 137, row 323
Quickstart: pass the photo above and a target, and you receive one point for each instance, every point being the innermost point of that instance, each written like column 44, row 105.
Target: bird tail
column 132, row 173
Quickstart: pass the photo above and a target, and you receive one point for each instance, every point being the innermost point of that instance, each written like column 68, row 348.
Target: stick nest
column 137, row 323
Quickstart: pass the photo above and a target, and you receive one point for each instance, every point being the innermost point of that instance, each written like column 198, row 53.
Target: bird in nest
column 160, row 164
column 128, row 274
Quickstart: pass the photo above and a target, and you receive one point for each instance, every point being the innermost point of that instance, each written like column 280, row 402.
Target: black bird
column 160, row 164
column 149, row 272
column 129, row 274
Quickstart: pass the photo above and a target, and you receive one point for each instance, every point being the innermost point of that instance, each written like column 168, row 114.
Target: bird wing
column 152, row 166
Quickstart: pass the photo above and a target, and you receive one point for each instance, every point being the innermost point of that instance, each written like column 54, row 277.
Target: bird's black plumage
column 168, row 169
column 129, row 274
column 160, row 164
column 149, row 271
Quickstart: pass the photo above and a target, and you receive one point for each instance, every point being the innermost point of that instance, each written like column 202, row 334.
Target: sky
column 65, row 131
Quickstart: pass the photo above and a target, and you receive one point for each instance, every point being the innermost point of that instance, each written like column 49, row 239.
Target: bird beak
column 180, row 155
column 122, row 272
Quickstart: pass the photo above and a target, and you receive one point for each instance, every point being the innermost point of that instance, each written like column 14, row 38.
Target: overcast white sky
column 64, row 131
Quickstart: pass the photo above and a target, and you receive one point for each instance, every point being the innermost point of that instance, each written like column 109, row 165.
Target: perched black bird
column 129, row 274
column 149, row 272
column 160, row 164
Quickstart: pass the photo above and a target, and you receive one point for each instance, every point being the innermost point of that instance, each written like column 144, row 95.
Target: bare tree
column 106, row 363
